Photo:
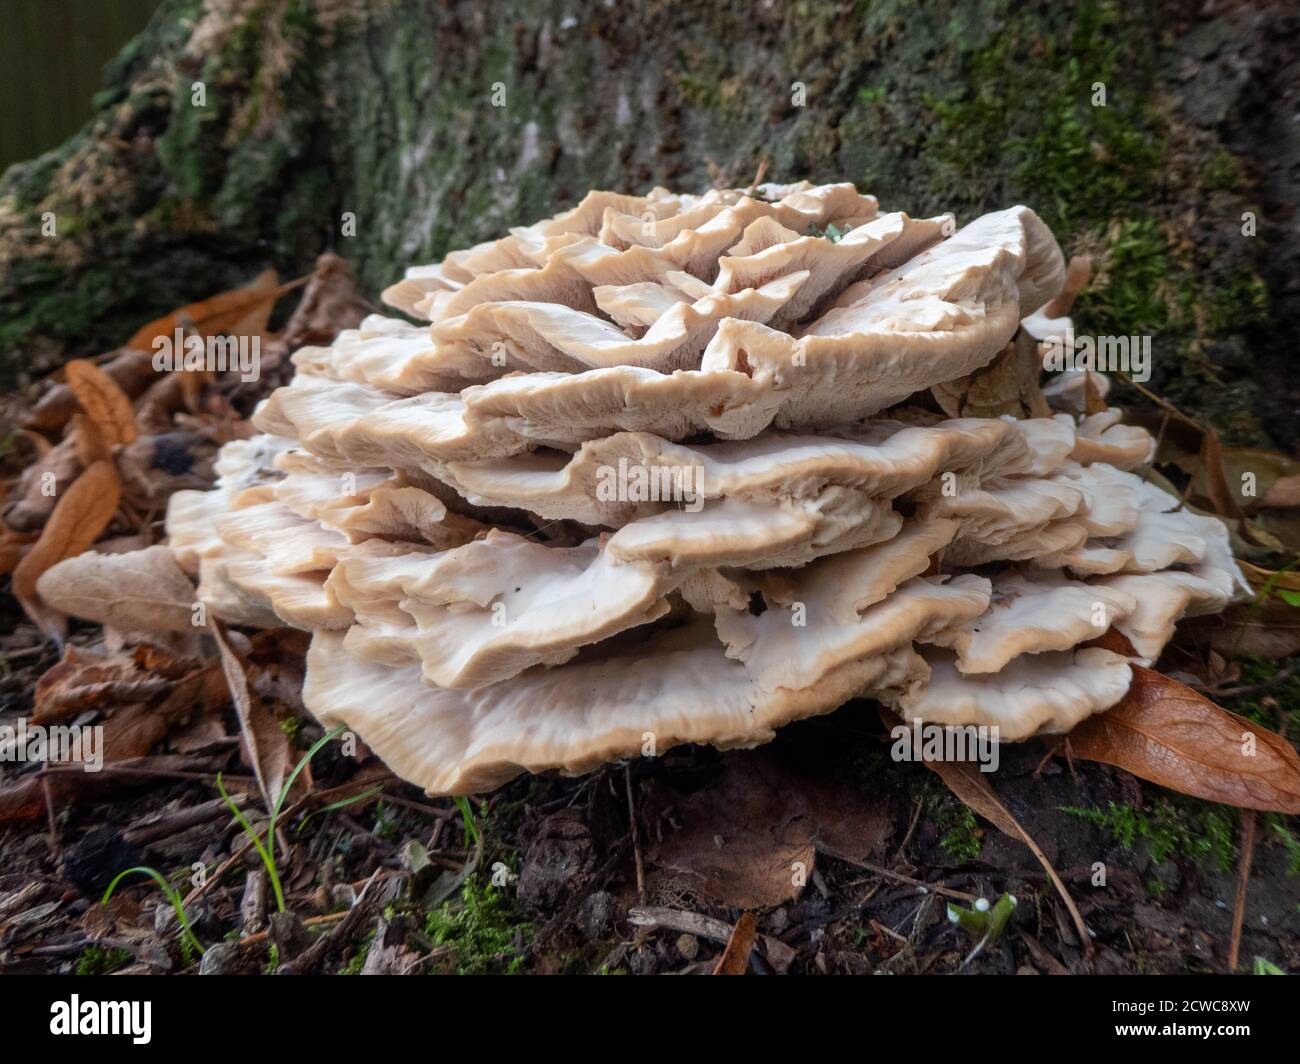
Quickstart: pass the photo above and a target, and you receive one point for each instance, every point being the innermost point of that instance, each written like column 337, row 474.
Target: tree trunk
column 236, row 134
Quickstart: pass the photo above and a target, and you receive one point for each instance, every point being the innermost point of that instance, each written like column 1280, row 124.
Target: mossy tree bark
column 383, row 111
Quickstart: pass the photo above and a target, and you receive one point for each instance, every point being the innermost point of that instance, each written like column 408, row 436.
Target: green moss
column 386, row 825
column 699, row 91
column 357, row 961
column 1283, row 834
column 1025, row 116
column 1274, row 706
column 962, row 838
column 1237, row 304
column 1222, row 171
column 1134, row 298
column 1199, row 832
column 482, row 927
column 94, row 960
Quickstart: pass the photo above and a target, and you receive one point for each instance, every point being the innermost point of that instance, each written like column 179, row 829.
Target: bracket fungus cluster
column 673, row 468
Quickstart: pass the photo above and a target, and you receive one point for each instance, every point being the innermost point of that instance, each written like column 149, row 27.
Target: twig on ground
column 686, row 922
column 1243, row 878
column 888, row 873
column 636, row 837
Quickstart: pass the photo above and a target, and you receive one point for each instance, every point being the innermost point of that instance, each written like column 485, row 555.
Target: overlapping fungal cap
column 652, row 472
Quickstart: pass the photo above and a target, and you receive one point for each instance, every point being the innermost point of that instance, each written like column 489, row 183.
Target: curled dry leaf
column 1279, row 580
column 1007, row 385
column 218, row 314
column 103, row 400
column 266, row 747
column 1114, row 641
column 1167, row 733
column 735, row 957
column 1094, row 402
column 143, row 591
column 82, row 681
column 81, row 514
column 139, row 697
column 131, row 366
column 1222, row 496
column 34, row 504
column 132, row 371
column 91, row 440
column 1258, row 478
column 330, row 303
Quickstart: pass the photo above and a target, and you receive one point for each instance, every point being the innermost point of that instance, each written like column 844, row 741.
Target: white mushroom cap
column 885, row 462
column 676, row 688
column 1036, row 694
column 490, row 609
column 1101, row 438
column 1031, row 614
column 758, row 533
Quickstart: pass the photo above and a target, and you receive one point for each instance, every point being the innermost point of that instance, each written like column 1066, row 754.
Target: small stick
column 161, row 827
column 880, row 870
column 687, row 922
column 49, row 814
column 311, row 921
column 636, row 837
column 1164, row 404
column 1243, row 878
column 911, row 827
column 1281, row 676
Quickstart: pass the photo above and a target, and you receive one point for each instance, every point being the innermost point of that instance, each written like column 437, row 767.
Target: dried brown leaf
column 1114, row 641
column 90, row 440
column 1252, row 474
column 103, row 401
column 1287, row 580
column 82, row 681
column 331, row 302
column 1222, row 497
column 144, row 591
column 1007, row 385
column 749, row 837
column 13, row 545
column 220, row 313
column 21, row 799
column 1169, row 734
column 1268, row 630
column 1283, row 492
column 81, row 514
column 1093, row 400
column 132, row 371
column 59, row 465
column 736, row 954
column 266, row 746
